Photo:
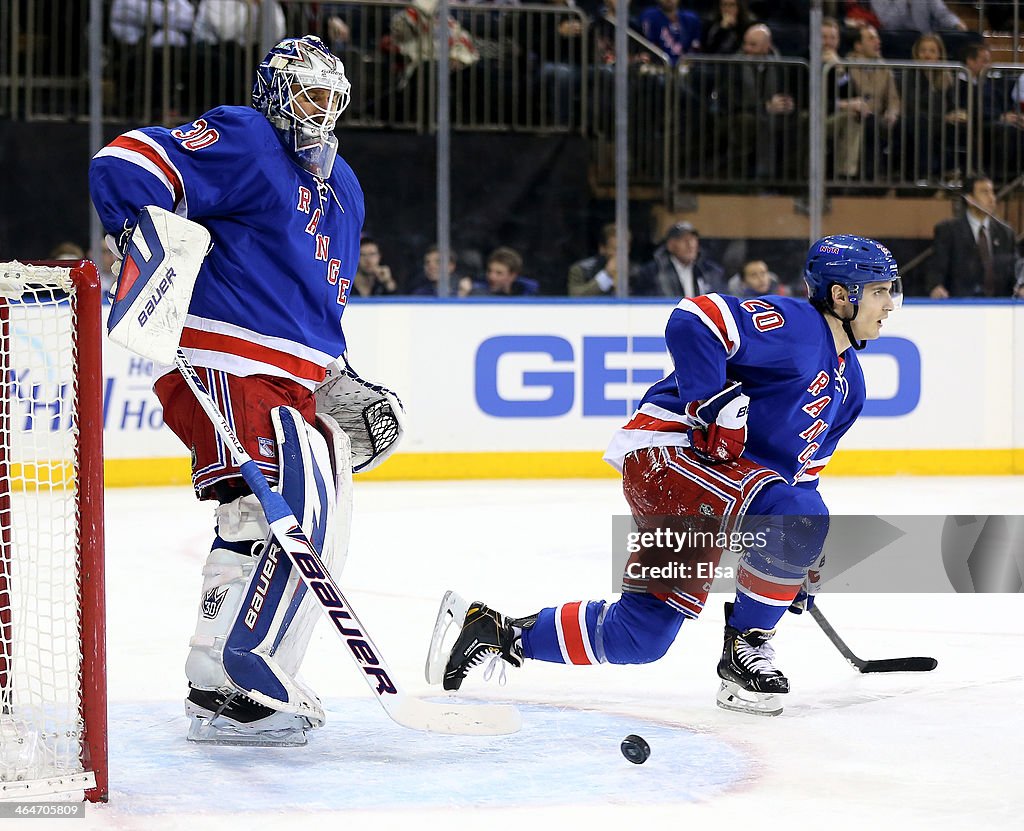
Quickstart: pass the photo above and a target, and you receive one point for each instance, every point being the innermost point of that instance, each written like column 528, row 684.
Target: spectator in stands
column 975, row 254
column 723, row 32
column 558, row 44
column 916, row 15
column 130, row 19
column 503, row 278
column 759, row 110
column 831, row 37
column 105, row 266
column 857, row 13
column 170, row 22
column 987, row 94
column 1001, row 121
column 235, row 21
column 788, row 21
column 373, row 278
column 412, row 33
column 224, row 32
column 678, row 268
column 66, row 250
column 424, row 283
column 755, row 280
column 928, row 104
column 866, row 106
column 901, row 21
column 674, row 30
column 338, row 34
column 598, row 275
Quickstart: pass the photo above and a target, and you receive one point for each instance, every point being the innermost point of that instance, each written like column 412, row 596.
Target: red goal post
column 53, row 703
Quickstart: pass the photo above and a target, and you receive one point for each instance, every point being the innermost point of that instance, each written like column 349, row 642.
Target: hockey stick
column 414, row 713
column 877, row 665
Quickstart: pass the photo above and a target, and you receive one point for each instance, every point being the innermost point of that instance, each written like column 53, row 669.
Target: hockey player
column 264, row 331
column 761, row 392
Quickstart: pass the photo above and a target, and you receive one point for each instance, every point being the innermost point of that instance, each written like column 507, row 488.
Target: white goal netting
column 41, row 705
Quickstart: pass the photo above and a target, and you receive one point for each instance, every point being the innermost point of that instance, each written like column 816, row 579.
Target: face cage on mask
column 311, row 137
column 323, row 118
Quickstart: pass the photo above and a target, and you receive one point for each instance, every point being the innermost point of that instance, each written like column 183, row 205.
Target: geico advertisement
column 563, row 376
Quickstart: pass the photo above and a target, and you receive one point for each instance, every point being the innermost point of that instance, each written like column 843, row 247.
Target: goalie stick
column 414, row 713
column 916, row 664
column 164, row 255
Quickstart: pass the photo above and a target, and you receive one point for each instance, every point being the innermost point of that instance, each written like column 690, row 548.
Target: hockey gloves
column 723, row 425
column 804, row 600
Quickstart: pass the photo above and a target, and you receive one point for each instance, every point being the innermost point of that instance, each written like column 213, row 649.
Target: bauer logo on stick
column 161, row 264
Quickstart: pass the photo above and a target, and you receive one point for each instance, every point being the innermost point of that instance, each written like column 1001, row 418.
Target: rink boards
column 521, row 389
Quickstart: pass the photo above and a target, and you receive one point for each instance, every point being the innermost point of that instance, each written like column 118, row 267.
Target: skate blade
column 205, row 731
column 732, row 696
column 452, row 613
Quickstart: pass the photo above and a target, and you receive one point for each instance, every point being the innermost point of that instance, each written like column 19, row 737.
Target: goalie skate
column 234, row 719
column 466, row 635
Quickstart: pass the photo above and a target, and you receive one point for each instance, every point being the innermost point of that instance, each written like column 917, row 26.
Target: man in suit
column 975, row 254
column 678, row 269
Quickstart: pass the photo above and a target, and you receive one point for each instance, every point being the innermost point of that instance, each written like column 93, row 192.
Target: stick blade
column 456, row 719
column 916, row 664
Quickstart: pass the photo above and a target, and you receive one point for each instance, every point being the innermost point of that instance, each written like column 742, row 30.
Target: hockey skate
column 483, row 635
column 234, row 719
column 750, row 681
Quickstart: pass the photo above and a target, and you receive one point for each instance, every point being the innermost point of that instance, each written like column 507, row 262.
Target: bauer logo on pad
column 165, row 253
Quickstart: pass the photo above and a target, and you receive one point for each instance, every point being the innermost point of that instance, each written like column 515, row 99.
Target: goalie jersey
column 285, row 245
column 803, row 396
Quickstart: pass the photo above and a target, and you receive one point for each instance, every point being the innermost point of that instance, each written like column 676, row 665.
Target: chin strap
column 848, row 326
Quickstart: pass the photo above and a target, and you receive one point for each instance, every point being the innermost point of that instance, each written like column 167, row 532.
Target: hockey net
column 52, row 641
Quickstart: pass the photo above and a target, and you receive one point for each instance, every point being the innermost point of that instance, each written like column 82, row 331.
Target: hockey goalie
column 283, row 215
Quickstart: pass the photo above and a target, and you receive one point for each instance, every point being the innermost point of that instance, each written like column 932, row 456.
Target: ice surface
column 938, row 749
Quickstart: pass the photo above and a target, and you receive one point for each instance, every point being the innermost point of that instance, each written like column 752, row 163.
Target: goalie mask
column 302, row 90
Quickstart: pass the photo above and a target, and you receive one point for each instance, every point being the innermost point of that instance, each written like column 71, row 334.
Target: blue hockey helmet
column 852, row 262
column 302, row 90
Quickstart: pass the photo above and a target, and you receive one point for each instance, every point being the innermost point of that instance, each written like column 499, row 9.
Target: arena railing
column 918, row 139
column 742, row 122
column 653, row 119
column 510, row 68
column 690, row 128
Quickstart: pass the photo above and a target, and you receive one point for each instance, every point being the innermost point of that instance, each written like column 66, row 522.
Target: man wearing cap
column 678, row 269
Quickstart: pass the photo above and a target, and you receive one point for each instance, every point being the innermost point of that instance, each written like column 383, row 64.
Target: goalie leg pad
column 225, row 575
column 272, row 629
column 339, row 448
column 242, row 519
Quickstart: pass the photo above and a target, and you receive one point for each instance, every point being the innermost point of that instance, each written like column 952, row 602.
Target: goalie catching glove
column 722, row 433
column 371, row 415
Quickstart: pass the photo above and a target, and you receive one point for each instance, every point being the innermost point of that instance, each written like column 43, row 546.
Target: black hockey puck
column 635, row 749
